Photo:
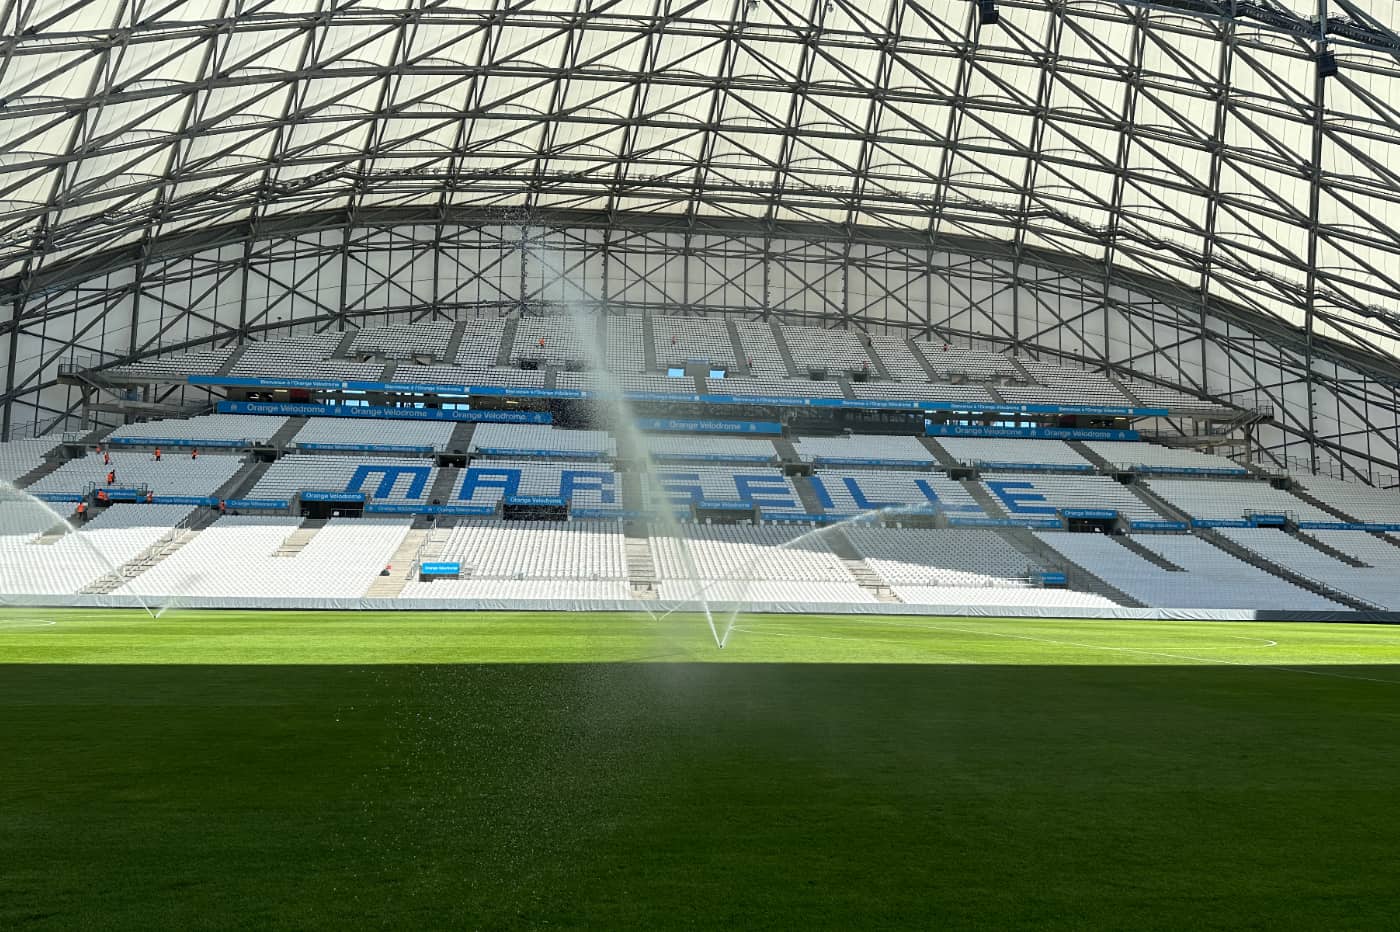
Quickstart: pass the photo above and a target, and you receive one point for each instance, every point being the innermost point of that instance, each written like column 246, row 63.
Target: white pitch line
column 1148, row 652
column 26, row 623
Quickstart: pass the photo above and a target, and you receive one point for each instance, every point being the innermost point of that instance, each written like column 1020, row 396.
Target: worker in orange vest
column 111, row 477
column 150, row 497
column 194, row 453
column 223, row 507
column 106, row 459
column 102, row 496
column 157, row 454
column 82, row 512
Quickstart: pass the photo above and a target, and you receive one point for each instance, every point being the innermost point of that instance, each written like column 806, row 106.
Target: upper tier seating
column 529, row 439
column 624, row 352
column 175, row 474
column 237, row 557
column 1211, row 578
column 404, row 341
column 1365, row 503
column 434, row 435
column 900, row 361
column 941, row 556
column 516, row 378
column 1041, row 494
column 761, row 349
column 765, row 487
column 998, row 451
column 67, row 563
column 1153, row 395
column 835, row 350
column 537, row 550
column 929, row 391
column 976, row 365
column 865, row 447
column 207, row 428
column 18, row 457
column 177, row 366
column 733, row 449
column 1376, row 586
column 554, row 339
column 1233, row 500
column 739, row 552
column 586, row 485
column 849, row 491
column 1156, row 458
column 1064, row 385
column 790, row 388
column 681, row 339
column 481, row 341
column 381, row 479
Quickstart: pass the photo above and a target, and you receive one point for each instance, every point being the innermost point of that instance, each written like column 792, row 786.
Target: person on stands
column 106, row 459
column 194, row 453
column 111, row 477
column 157, row 454
column 541, row 342
column 150, row 497
column 82, row 512
column 223, row 507
column 102, row 496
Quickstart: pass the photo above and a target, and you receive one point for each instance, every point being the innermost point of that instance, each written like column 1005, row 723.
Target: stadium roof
column 1194, row 141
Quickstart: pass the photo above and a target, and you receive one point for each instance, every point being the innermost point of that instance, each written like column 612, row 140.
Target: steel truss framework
column 1335, row 407
column 1200, row 151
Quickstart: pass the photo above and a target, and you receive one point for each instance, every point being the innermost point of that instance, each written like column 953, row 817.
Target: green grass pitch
column 571, row 771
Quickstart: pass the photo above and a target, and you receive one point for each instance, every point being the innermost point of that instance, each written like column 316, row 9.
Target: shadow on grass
column 696, row 795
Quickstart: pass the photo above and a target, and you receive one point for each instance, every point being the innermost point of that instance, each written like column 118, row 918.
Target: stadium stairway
column 1304, row 537
column 1022, row 370
column 461, row 439
column 1156, row 503
column 783, row 350
column 940, row 455
column 649, row 344
column 454, row 342
column 846, row 390
column 641, row 568
column 922, row 360
column 401, row 567
column 996, row 395
column 179, row 537
column 232, row 360
column 242, row 482
column 787, row 453
column 1147, row 553
column 296, row 542
column 39, row 472
column 741, row 356
column 984, row 498
column 1076, row 577
column 1084, row 450
column 860, row 570
column 342, row 349
column 286, row 432
column 807, row 495
column 390, row 367
column 445, row 482
column 1282, row 572
column 1119, row 384
column 503, row 355
column 877, row 365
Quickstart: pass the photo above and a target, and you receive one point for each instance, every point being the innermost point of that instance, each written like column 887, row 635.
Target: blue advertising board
column 701, row 426
column 258, row 504
column 1090, row 514
column 1031, row 433
column 317, row 496
column 440, row 568
column 384, row 412
column 1142, row 525
column 548, row 500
